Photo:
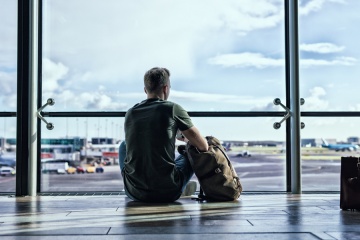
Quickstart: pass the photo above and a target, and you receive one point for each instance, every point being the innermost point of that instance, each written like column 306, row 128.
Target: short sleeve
column 182, row 118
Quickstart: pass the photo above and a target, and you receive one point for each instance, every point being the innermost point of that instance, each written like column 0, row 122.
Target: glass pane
column 324, row 142
column 7, row 154
column 8, row 52
column 329, row 55
column 256, row 150
column 222, row 55
column 81, row 154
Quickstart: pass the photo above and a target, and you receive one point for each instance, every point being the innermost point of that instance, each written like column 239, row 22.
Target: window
column 8, row 93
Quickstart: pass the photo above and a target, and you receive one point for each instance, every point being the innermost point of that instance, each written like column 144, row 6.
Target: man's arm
column 195, row 138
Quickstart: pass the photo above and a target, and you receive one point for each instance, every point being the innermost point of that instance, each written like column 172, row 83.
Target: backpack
column 217, row 177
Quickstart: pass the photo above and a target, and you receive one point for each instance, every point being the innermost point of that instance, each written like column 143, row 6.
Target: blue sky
column 223, row 55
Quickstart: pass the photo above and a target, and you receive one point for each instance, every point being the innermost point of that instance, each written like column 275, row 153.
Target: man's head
column 157, row 83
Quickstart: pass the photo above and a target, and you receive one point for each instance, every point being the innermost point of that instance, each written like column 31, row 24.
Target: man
column 149, row 168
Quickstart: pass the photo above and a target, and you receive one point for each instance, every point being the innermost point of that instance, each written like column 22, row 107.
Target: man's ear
column 145, row 90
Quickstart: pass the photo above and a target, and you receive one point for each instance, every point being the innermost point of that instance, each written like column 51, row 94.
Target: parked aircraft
column 227, row 146
column 340, row 146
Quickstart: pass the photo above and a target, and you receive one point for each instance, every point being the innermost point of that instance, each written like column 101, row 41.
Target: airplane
column 227, row 146
column 339, row 147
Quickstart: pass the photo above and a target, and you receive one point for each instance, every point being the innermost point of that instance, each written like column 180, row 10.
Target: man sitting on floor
column 147, row 156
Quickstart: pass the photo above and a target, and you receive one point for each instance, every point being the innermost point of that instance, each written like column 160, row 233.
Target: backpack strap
column 201, row 197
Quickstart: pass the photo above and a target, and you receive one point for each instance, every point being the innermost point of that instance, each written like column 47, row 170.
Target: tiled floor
column 253, row 216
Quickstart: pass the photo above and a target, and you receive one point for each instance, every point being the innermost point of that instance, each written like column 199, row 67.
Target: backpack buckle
column 218, row 170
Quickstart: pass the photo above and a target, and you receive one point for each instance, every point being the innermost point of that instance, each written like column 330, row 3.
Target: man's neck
column 155, row 96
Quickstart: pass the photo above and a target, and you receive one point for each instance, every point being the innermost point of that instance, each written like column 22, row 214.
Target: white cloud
column 7, row 81
column 246, row 59
column 216, row 98
column 321, row 48
column 10, row 101
column 315, row 100
column 8, row 36
column 258, row 60
column 52, row 73
column 85, row 101
column 339, row 61
column 8, row 90
column 315, row 6
column 159, row 33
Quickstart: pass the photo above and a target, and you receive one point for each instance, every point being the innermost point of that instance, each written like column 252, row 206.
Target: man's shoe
column 181, row 150
column 189, row 189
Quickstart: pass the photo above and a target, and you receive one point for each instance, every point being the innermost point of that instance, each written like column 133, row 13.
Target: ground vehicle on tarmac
column 90, row 169
column 71, row 170
column 80, row 169
column 7, row 171
column 244, row 153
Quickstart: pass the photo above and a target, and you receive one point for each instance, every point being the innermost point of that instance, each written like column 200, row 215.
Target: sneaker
column 181, row 150
column 189, row 189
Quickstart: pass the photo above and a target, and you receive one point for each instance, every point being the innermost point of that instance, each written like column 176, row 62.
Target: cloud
column 216, row 98
column 321, row 48
column 100, row 102
column 52, row 73
column 258, row 60
column 8, row 36
column 8, row 89
column 120, row 46
column 85, row 101
column 315, row 101
column 267, row 108
column 315, row 6
column 339, row 61
column 246, row 59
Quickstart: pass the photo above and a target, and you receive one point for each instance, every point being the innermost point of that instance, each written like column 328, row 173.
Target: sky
column 222, row 55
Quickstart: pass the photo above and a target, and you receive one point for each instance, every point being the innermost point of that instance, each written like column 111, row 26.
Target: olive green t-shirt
column 150, row 130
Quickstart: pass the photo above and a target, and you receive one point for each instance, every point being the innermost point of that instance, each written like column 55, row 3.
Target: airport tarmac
column 260, row 172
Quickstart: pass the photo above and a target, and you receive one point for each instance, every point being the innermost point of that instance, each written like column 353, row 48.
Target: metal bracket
column 277, row 101
column 50, row 102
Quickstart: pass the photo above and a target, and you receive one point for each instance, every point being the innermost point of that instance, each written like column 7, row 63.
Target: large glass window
column 8, row 67
column 329, row 70
column 324, row 142
column 82, row 151
column 223, row 55
column 328, row 33
column 7, row 154
column 8, row 41
column 85, row 151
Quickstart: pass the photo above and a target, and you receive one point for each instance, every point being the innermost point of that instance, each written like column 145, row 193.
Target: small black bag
column 350, row 183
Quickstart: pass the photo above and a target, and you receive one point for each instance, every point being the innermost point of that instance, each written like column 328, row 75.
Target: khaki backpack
column 217, row 177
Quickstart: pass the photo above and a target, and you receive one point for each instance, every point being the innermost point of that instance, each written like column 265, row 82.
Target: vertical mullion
column 23, row 96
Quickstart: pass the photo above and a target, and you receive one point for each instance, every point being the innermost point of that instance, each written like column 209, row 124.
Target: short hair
column 155, row 79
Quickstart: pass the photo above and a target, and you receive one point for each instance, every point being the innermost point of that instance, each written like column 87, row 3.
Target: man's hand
column 181, row 137
column 193, row 135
